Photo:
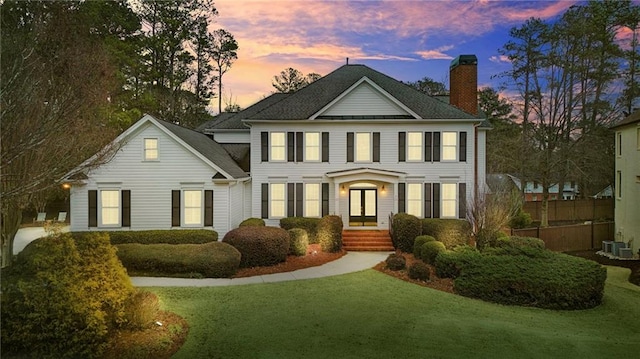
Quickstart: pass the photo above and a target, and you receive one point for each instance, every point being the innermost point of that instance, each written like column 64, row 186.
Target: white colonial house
column 355, row 143
column 627, row 185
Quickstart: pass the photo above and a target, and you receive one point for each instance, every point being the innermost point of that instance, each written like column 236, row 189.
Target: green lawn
column 371, row 315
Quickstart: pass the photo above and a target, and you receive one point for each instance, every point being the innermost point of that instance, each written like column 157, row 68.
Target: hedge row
column 308, row 224
column 252, row 222
column 63, row 298
column 175, row 236
column 259, row 246
column 209, row 260
column 298, row 241
column 451, row 232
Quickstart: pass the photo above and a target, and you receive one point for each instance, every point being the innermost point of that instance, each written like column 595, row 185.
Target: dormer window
column 150, row 149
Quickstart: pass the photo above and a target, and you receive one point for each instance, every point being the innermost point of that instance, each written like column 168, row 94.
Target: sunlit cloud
column 500, row 59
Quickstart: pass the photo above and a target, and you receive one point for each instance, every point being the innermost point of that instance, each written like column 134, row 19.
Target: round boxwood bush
column 418, row 242
column 396, row 261
column 405, row 229
column 308, row 224
column 450, row 263
column 299, row 241
column 430, row 251
column 419, row 271
column 259, row 246
column 252, row 222
column 63, row 298
column 208, row 260
column 552, row 281
column 330, row 233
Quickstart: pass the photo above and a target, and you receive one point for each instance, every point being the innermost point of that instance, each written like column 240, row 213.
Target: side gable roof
column 632, row 118
column 233, row 120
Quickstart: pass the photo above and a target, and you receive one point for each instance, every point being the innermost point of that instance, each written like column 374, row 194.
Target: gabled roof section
column 203, row 146
column 311, row 99
column 632, row 118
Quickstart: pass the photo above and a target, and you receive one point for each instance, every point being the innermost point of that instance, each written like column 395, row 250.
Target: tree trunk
column 544, row 211
column 11, row 219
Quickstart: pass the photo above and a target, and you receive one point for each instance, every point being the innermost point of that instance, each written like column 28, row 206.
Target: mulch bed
column 435, row 282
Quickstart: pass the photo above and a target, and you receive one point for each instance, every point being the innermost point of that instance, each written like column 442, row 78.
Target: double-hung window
column 150, row 149
column 414, row 146
column 312, row 146
column 414, row 199
column 312, row 199
column 449, row 146
column 192, row 207
column 278, row 148
column 363, row 147
column 277, row 198
column 109, row 208
column 449, row 200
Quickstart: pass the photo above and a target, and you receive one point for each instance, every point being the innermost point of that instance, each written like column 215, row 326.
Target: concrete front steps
column 366, row 240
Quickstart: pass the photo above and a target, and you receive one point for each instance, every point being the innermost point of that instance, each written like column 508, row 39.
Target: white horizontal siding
column 232, row 137
column 364, row 100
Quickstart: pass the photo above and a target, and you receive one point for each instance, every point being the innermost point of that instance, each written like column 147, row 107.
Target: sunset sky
column 407, row 40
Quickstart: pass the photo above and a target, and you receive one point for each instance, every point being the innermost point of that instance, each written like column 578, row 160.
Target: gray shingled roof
column 307, row 101
column 632, row 118
column 209, row 148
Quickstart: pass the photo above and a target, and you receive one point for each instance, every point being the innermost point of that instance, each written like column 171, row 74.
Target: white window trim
column 100, row 208
column 319, row 147
column 455, row 147
column 284, row 146
column 183, row 208
column 355, row 147
column 419, row 200
column 145, row 149
column 318, row 200
column 638, row 138
column 272, row 201
column 443, row 200
column 618, row 144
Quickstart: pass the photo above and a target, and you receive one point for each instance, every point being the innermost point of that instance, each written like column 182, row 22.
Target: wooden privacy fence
column 578, row 237
column 572, row 210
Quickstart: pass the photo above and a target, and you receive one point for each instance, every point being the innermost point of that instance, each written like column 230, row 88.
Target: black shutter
column 126, row 208
column 291, row 199
column 402, row 146
column 265, row 200
column 299, row 200
column 291, row 146
column 208, row 208
column 428, row 205
column 463, row 147
column 462, row 200
column 93, row 208
column 436, row 147
column 402, row 203
column 376, row 147
column 325, row 147
column 428, row 146
column 175, row 208
column 299, row 147
column 436, row 200
column 264, row 145
column 325, row 199
column 349, row 146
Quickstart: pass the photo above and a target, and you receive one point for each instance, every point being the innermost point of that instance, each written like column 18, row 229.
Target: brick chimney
column 463, row 77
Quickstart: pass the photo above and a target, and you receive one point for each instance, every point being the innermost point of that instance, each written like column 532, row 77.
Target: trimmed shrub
column 252, row 222
column 405, row 229
column 450, row 263
column 451, row 232
column 521, row 220
column 330, row 233
column 486, row 238
column 259, row 246
column 62, row 298
column 419, row 271
column 552, row 281
column 395, row 261
column 430, row 251
column 298, row 241
column 209, row 260
column 308, row 224
column 520, row 242
column 170, row 236
column 418, row 242
column 142, row 310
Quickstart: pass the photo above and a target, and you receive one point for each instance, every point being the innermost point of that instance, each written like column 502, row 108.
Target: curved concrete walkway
column 351, row 262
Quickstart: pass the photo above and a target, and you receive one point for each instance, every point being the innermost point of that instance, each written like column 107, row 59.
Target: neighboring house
column 533, row 191
column 627, row 181
column 606, row 192
column 355, row 143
